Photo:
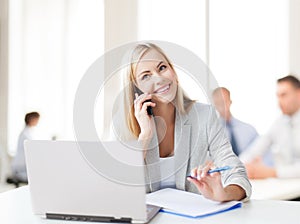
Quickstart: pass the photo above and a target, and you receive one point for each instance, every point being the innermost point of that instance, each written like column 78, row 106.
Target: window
column 52, row 44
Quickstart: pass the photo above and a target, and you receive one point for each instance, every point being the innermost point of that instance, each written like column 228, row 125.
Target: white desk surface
column 275, row 188
column 15, row 208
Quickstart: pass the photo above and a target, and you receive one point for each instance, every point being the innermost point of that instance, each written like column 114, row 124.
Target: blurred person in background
column 28, row 133
column 241, row 134
column 282, row 137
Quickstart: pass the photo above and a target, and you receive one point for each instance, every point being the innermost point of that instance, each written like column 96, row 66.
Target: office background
column 47, row 46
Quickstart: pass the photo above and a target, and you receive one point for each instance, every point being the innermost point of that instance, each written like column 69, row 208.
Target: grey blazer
column 198, row 138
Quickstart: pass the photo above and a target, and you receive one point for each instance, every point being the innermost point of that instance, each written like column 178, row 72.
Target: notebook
column 87, row 181
column 188, row 204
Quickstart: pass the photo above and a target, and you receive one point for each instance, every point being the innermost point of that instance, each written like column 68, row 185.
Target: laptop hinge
column 87, row 218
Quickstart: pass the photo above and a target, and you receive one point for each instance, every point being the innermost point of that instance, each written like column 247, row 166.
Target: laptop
column 87, row 181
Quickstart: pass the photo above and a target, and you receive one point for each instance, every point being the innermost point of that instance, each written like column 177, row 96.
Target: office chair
column 15, row 181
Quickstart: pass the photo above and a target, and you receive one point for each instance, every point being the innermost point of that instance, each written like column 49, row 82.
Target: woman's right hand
column 145, row 121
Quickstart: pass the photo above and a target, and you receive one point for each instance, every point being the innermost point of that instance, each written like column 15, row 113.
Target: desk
column 15, row 208
column 276, row 188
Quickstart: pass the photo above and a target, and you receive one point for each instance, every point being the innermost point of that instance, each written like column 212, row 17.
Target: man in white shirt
column 283, row 137
column 18, row 164
column 240, row 134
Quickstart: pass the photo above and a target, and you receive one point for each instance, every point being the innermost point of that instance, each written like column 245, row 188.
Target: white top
column 167, row 169
column 18, row 164
column 284, row 140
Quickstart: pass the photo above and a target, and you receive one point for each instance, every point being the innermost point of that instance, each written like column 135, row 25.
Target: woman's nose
column 157, row 78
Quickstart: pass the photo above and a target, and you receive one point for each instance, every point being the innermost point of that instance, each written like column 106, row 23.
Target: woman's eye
column 146, row 76
column 162, row 67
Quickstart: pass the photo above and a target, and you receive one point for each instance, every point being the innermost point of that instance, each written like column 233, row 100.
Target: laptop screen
column 86, row 179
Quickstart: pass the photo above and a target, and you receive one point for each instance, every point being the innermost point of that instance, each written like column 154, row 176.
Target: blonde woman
column 181, row 137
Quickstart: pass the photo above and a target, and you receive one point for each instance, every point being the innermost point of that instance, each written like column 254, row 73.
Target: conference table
column 276, row 188
column 15, row 208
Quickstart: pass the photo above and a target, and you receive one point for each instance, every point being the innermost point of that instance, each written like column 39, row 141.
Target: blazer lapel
column 182, row 149
column 182, row 153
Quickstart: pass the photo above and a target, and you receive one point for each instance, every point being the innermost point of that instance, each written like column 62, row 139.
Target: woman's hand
column 140, row 111
column 210, row 185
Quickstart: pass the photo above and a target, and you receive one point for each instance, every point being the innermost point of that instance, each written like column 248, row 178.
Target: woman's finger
column 194, row 172
column 208, row 166
column 139, row 101
column 199, row 171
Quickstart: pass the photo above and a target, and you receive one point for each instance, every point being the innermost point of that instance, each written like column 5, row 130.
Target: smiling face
column 154, row 75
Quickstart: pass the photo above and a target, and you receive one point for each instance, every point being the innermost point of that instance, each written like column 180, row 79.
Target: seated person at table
column 241, row 134
column 283, row 137
column 28, row 133
column 181, row 136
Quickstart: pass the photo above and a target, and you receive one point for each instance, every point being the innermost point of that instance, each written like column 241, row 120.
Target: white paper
column 186, row 203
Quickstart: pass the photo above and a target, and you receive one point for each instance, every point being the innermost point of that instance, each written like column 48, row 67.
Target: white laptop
column 87, row 181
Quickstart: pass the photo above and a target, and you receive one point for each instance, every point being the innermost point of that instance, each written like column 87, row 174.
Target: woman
column 181, row 135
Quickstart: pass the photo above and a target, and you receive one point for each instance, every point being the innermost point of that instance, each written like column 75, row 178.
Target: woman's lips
column 163, row 89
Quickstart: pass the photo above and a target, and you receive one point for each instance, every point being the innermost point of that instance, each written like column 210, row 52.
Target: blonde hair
column 181, row 101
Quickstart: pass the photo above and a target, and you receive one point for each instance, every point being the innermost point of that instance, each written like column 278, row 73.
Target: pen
column 219, row 169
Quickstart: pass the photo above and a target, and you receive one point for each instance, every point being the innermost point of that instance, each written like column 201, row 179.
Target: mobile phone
column 139, row 92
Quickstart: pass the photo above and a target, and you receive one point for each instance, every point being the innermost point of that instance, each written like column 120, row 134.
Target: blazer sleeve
column 220, row 151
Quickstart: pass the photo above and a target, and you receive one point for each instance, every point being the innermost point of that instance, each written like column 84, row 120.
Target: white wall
column 120, row 28
column 294, row 37
column 183, row 23
column 4, row 167
column 249, row 51
column 3, row 71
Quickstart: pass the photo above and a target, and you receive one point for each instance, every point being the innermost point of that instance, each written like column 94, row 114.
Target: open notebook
column 188, row 204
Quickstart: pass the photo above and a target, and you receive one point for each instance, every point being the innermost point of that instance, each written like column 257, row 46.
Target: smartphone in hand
column 139, row 92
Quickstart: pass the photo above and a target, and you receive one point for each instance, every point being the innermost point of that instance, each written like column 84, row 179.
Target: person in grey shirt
column 28, row 133
column 178, row 128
